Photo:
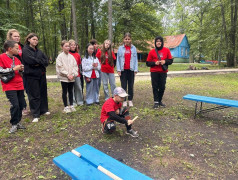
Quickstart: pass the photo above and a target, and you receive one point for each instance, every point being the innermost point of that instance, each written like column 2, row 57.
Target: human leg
column 105, row 78
column 78, row 95
column 33, row 86
column 112, row 82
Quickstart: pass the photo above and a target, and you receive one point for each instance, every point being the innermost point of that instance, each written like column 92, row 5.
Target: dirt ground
column 172, row 144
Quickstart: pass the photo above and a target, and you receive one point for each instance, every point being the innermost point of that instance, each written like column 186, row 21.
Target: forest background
column 210, row 25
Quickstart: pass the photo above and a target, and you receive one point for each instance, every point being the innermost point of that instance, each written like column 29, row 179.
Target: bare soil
column 172, row 144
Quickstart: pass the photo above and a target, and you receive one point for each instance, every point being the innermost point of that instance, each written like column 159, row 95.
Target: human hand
column 157, row 63
column 70, row 77
column 17, row 68
column 135, row 73
column 119, row 73
column 162, row 62
column 95, row 65
column 129, row 122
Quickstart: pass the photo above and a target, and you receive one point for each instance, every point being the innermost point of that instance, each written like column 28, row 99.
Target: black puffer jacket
column 35, row 62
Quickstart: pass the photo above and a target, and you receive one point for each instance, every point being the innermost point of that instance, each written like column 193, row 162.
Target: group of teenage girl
column 96, row 66
column 29, row 64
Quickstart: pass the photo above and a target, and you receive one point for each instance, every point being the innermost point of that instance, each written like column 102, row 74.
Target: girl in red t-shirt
column 77, row 91
column 127, row 66
column 107, row 59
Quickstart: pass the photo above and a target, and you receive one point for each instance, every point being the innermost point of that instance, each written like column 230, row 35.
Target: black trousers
column 158, row 81
column 16, row 99
column 67, row 87
column 37, row 95
column 127, row 80
column 82, row 81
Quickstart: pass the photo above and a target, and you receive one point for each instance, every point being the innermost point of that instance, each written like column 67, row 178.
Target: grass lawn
column 143, row 68
column 172, row 144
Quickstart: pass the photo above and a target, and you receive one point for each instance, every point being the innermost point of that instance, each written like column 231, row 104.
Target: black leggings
column 67, row 87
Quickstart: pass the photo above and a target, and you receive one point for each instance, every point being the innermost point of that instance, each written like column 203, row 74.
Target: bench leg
column 196, row 109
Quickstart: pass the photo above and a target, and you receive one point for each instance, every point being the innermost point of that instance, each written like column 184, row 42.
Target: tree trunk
column 74, row 21
column 110, row 20
column 7, row 4
column 231, row 58
column 43, row 29
column 63, row 28
column 92, row 19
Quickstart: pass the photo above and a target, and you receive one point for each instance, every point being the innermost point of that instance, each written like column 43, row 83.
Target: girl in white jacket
column 91, row 66
column 67, row 71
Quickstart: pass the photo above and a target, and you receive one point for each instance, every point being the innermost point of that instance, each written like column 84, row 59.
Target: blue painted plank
column 212, row 100
column 121, row 170
column 77, row 168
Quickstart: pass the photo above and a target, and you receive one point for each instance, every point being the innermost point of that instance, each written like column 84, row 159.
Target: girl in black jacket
column 35, row 63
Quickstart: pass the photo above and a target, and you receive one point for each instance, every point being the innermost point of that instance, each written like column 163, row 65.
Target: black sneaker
column 20, row 126
column 162, row 104
column 132, row 133
column 13, row 129
column 156, row 105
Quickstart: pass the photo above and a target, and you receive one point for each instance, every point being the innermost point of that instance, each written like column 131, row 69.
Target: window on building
column 181, row 51
column 186, row 51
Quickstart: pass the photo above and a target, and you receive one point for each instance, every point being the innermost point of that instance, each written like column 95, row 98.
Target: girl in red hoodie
column 14, row 89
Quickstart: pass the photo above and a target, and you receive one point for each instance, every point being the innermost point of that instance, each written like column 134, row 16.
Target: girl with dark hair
column 107, row 59
column 67, row 71
column 91, row 66
column 127, row 66
column 158, row 60
column 35, row 63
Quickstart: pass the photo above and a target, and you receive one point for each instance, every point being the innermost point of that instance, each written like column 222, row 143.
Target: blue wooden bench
column 222, row 103
column 88, row 163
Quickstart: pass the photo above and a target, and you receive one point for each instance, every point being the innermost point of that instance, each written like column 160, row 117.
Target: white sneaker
column 124, row 104
column 35, row 120
column 67, row 109
column 47, row 113
column 130, row 104
column 72, row 109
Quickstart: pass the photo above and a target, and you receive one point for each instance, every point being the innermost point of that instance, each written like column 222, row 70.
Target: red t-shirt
column 16, row 83
column 93, row 74
column 78, row 60
column 106, row 68
column 20, row 51
column 109, row 106
column 152, row 57
column 127, row 57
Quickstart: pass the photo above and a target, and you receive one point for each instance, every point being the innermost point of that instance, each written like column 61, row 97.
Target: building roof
column 173, row 41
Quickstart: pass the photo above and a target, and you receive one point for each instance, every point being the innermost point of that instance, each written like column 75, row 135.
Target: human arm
column 60, row 67
column 114, row 116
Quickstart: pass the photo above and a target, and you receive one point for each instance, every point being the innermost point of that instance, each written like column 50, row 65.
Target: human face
column 66, row 48
column 72, row 46
column 127, row 41
column 158, row 43
column 95, row 46
column 15, row 37
column 107, row 44
column 118, row 99
column 90, row 50
column 33, row 41
column 14, row 50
